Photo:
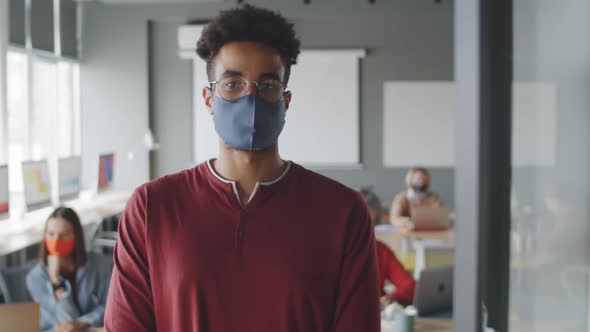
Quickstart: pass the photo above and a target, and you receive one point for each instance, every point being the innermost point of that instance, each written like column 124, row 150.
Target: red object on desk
column 391, row 269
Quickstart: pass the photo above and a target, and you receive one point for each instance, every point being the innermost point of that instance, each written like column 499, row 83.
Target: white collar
column 258, row 184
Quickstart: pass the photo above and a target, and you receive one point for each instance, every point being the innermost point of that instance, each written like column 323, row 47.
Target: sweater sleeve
column 400, row 206
column 357, row 303
column 129, row 305
column 396, row 273
column 53, row 311
column 37, row 286
column 65, row 307
column 95, row 316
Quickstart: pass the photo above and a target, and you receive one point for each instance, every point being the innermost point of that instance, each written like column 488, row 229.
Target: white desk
column 19, row 233
column 410, row 247
column 423, row 325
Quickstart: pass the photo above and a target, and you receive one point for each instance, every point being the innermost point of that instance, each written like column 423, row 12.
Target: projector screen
column 322, row 123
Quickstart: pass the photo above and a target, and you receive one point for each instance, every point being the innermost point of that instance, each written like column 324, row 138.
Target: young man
column 247, row 241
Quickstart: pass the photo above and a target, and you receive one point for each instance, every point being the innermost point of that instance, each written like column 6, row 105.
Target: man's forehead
column 248, row 58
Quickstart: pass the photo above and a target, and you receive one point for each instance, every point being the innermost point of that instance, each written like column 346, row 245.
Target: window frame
column 483, row 34
column 75, row 142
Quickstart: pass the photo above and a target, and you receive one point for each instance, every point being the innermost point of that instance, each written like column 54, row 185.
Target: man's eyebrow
column 231, row 73
column 270, row 75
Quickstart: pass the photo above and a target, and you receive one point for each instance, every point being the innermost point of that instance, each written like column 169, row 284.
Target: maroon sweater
column 299, row 257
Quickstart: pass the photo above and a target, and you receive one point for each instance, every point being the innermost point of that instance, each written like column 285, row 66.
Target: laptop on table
column 20, row 317
column 434, row 290
column 430, row 218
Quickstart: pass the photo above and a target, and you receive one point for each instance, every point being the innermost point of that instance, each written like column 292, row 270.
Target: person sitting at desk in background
column 390, row 267
column 418, row 194
column 69, row 286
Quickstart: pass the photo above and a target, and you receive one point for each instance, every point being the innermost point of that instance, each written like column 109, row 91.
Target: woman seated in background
column 390, row 268
column 417, row 194
column 70, row 287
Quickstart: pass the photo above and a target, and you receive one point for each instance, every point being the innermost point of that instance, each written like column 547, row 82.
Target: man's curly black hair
column 249, row 23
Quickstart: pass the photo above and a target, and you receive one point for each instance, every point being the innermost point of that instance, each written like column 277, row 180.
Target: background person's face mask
column 60, row 248
column 248, row 123
column 420, row 188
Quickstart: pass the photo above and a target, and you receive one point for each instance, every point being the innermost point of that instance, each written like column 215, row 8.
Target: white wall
column 419, row 124
column 324, row 112
column 114, row 95
column 405, row 41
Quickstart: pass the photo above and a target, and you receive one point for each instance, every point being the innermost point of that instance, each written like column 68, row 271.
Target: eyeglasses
column 231, row 88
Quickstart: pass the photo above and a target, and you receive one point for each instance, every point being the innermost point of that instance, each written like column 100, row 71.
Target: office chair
column 104, row 240
column 13, row 285
column 97, row 239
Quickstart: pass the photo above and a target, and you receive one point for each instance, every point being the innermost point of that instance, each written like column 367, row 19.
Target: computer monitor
column 106, row 165
column 4, row 196
column 69, row 172
column 36, row 183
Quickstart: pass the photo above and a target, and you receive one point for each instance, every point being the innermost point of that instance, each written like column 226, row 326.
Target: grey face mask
column 248, row 123
column 420, row 188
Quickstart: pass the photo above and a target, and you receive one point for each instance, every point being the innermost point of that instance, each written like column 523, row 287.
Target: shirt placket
column 239, row 231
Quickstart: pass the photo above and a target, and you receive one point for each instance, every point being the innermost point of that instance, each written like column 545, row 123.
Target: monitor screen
column 69, row 172
column 4, row 197
column 36, row 183
column 106, row 166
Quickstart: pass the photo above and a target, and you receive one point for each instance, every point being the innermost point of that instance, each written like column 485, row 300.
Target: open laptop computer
column 434, row 290
column 20, row 317
column 430, row 218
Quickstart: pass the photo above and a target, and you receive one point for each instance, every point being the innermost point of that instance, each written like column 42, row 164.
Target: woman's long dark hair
column 69, row 215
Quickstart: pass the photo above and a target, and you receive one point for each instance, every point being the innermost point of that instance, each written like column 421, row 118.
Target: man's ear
column 288, row 96
column 208, row 97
